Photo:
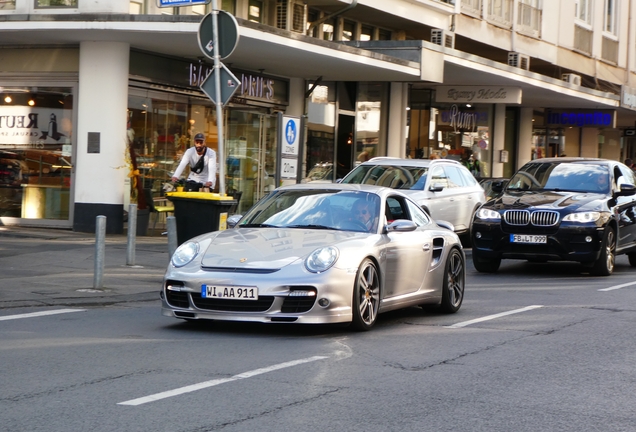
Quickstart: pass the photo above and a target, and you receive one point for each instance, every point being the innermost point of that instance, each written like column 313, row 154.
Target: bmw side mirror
column 627, row 189
column 497, row 186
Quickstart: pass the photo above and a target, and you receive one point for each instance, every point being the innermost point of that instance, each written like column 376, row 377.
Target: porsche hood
column 269, row 248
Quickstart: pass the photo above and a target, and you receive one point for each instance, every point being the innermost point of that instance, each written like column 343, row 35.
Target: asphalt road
column 534, row 348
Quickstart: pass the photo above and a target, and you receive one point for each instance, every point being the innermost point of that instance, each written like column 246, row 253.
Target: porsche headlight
column 321, row 259
column 185, row 253
column 484, row 213
column 583, row 217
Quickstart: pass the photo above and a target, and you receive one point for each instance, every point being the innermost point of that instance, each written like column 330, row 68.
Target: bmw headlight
column 484, row 213
column 583, row 217
column 321, row 259
column 185, row 253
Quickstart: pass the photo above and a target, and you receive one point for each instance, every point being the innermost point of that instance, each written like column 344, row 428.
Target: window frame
column 609, row 8
column 36, row 5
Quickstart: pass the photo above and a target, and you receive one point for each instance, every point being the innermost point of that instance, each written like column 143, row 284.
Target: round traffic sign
column 227, row 30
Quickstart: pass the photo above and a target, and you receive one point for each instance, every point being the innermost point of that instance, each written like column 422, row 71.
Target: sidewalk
column 56, row 267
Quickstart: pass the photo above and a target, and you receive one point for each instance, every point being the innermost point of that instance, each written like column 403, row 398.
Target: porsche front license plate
column 227, row 292
column 528, row 238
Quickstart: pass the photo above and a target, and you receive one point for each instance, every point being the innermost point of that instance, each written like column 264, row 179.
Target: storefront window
column 161, row 128
column 368, row 121
column 250, row 156
column 321, row 117
column 36, row 131
column 450, row 131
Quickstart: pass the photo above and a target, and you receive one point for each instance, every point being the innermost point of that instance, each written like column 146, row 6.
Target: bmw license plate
column 229, row 292
column 528, row 238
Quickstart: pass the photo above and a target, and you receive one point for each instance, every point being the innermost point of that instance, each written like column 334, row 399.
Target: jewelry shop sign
column 478, row 94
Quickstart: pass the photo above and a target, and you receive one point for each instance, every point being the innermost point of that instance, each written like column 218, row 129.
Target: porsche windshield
column 557, row 176
column 316, row 209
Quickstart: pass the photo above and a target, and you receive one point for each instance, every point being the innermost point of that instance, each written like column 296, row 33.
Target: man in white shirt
column 202, row 161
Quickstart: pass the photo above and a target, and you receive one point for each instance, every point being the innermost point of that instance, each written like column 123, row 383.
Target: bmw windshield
column 557, row 176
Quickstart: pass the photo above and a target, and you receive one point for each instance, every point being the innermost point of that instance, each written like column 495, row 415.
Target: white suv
column 444, row 188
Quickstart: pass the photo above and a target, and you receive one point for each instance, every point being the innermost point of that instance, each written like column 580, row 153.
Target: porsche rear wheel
column 454, row 282
column 366, row 296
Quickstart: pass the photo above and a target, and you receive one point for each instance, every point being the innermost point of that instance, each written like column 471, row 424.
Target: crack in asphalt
column 61, row 389
column 262, row 413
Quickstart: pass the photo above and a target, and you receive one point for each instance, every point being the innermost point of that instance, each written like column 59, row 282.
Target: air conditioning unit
column 291, row 15
column 443, row 38
column 521, row 61
column 572, row 78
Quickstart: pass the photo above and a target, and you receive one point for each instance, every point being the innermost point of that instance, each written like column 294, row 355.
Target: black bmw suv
column 559, row 209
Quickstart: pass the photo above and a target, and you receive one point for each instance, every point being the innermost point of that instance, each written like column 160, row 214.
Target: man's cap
column 199, row 137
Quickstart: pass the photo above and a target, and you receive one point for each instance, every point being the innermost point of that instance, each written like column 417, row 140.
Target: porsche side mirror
column 233, row 220
column 401, row 225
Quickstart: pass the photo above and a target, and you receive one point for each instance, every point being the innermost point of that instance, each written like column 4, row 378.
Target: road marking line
column 212, row 383
column 615, row 287
column 39, row 314
column 490, row 317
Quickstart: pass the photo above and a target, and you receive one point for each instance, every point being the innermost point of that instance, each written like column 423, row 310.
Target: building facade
column 99, row 99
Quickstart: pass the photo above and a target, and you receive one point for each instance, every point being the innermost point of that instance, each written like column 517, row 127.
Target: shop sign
column 24, row 127
column 478, row 94
column 465, row 120
column 581, row 118
column 628, row 98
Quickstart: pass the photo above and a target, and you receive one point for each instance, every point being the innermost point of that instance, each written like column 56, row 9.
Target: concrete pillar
column 498, row 139
column 524, row 147
column 589, row 142
column 101, row 158
column 396, row 134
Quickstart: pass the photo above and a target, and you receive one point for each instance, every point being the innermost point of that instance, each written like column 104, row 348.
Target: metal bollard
column 100, row 247
column 171, row 223
column 132, row 234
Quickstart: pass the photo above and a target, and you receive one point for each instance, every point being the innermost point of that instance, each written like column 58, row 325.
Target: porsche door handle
column 427, row 247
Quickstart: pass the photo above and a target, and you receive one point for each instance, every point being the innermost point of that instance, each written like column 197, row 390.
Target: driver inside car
column 362, row 212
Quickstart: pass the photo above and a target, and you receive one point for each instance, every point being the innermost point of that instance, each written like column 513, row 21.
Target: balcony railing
column 583, row 39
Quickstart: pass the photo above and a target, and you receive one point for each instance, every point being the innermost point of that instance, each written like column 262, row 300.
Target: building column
column 524, row 147
column 101, row 166
column 498, row 139
column 396, row 133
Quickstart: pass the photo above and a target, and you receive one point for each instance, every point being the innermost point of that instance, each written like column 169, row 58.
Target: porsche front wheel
column 454, row 281
column 366, row 296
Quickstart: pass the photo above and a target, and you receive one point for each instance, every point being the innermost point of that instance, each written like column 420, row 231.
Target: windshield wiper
column 258, row 225
column 310, row 226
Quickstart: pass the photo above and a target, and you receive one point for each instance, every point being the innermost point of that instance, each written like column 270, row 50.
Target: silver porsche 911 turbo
column 318, row 254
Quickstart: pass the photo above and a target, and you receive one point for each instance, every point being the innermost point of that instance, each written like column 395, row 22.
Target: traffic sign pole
column 218, row 101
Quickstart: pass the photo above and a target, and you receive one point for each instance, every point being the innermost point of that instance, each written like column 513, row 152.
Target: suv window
column 455, row 178
column 396, row 177
column 438, row 176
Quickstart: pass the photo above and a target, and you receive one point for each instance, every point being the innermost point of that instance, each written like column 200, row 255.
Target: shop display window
column 452, row 131
column 36, row 132
column 160, row 130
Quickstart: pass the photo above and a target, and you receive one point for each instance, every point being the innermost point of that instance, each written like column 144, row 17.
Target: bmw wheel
column 366, row 296
column 604, row 265
column 454, row 282
column 485, row 265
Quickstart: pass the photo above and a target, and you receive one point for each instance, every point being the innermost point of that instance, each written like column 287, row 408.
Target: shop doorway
column 250, row 150
column 345, row 144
